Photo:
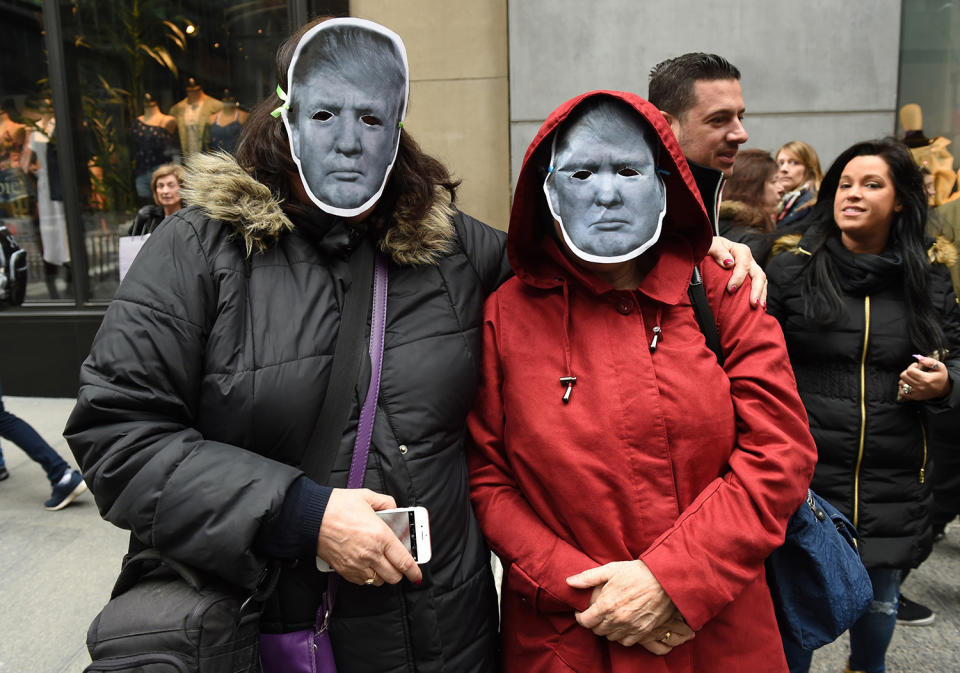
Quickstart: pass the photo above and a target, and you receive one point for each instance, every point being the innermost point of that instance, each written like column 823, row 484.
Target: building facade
column 483, row 77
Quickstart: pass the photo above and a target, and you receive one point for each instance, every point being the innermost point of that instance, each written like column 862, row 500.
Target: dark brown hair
column 264, row 152
column 671, row 81
column 751, row 170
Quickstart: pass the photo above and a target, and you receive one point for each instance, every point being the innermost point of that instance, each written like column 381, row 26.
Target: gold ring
column 370, row 580
column 665, row 638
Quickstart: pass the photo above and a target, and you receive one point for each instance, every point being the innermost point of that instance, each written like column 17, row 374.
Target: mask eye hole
column 370, row 120
column 323, row 115
column 582, row 174
column 628, row 172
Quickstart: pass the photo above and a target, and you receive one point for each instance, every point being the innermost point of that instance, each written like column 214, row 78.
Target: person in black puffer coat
column 202, row 388
column 872, row 327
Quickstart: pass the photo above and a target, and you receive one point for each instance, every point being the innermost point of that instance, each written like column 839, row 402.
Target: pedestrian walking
column 67, row 483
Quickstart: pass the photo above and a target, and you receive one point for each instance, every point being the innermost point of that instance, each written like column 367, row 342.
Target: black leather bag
column 165, row 617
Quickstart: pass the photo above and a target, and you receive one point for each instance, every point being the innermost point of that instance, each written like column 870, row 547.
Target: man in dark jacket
column 700, row 97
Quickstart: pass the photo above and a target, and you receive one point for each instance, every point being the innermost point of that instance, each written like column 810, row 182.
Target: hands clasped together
column 629, row 606
column 358, row 544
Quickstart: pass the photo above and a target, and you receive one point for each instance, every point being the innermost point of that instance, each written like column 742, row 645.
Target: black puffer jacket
column 872, row 449
column 202, row 388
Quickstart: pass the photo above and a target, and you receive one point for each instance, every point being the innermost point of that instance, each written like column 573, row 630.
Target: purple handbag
column 310, row 650
column 307, row 651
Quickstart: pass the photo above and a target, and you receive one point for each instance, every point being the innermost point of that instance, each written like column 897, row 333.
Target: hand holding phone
column 359, row 545
column 411, row 525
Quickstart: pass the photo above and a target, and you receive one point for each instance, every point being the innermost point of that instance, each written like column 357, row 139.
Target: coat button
column 403, row 449
column 624, row 308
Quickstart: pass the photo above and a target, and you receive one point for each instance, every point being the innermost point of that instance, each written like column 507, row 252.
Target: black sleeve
column 486, row 248
column 134, row 431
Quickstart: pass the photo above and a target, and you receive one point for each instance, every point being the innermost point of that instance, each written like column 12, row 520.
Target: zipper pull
column 570, row 382
column 656, row 337
column 923, row 474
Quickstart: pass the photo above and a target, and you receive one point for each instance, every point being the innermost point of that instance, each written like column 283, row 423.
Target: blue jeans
column 20, row 433
column 870, row 635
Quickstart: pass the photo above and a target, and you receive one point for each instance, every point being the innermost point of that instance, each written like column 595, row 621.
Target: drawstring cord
column 657, row 332
column 569, row 380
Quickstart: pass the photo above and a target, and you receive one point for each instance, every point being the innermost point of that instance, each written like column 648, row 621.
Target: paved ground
column 57, row 568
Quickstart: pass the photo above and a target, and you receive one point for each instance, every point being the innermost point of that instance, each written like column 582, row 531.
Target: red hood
column 534, row 254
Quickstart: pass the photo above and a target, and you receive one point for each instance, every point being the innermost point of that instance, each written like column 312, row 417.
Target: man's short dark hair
column 671, row 81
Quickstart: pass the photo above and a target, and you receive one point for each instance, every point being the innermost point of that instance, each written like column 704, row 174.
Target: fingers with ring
column 371, row 580
column 666, row 638
column 906, row 389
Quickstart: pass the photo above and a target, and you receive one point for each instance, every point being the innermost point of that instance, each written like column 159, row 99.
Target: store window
column 929, row 95
column 152, row 82
column 31, row 204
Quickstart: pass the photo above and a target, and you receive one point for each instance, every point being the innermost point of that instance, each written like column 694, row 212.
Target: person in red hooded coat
column 631, row 485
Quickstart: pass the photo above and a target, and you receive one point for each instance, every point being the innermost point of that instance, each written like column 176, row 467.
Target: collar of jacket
column 710, row 183
column 939, row 249
column 224, row 191
column 666, row 282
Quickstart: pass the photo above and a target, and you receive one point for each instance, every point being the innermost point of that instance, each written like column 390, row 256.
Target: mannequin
column 13, row 185
column 930, row 154
column 225, row 126
column 53, row 221
column 193, row 117
column 154, row 142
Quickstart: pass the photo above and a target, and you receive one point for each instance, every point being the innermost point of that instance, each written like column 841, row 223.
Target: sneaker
column 66, row 491
column 4, row 474
column 914, row 614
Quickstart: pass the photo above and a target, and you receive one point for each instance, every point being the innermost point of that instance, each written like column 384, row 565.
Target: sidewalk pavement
column 57, row 569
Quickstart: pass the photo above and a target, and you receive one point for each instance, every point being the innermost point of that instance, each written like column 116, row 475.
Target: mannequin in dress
column 154, row 136
column 193, row 117
column 13, row 185
column 225, row 126
column 53, row 222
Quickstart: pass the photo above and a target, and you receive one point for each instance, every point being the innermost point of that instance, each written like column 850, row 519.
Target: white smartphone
column 411, row 525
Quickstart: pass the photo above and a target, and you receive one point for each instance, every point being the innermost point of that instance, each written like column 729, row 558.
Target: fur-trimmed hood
column 941, row 251
column 743, row 214
column 224, row 191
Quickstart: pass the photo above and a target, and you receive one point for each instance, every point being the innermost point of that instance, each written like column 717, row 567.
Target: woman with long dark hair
column 872, row 327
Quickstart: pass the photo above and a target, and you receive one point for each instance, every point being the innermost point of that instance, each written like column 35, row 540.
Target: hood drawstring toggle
column 569, row 382
column 656, row 337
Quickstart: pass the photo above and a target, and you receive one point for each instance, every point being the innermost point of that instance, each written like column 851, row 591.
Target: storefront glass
column 929, row 96
column 152, row 82
column 31, row 205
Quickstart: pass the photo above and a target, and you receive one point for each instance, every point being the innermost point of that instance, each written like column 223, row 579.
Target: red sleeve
column 540, row 560
column 718, row 544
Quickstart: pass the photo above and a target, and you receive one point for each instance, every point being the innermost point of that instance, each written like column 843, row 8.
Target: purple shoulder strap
column 361, row 447
column 378, row 322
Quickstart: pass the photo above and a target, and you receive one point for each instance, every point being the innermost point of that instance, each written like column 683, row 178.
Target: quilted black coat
column 847, row 375
column 202, row 387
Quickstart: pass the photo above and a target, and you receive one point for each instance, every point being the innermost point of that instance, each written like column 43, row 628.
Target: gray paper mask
column 349, row 83
column 603, row 187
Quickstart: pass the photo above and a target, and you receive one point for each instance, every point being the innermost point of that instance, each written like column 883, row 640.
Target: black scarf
column 862, row 273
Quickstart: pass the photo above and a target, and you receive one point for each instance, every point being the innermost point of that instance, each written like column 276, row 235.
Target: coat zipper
column 923, row 465
column 863, row 410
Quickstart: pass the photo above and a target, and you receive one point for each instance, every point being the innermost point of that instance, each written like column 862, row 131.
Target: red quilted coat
column 660, row 454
